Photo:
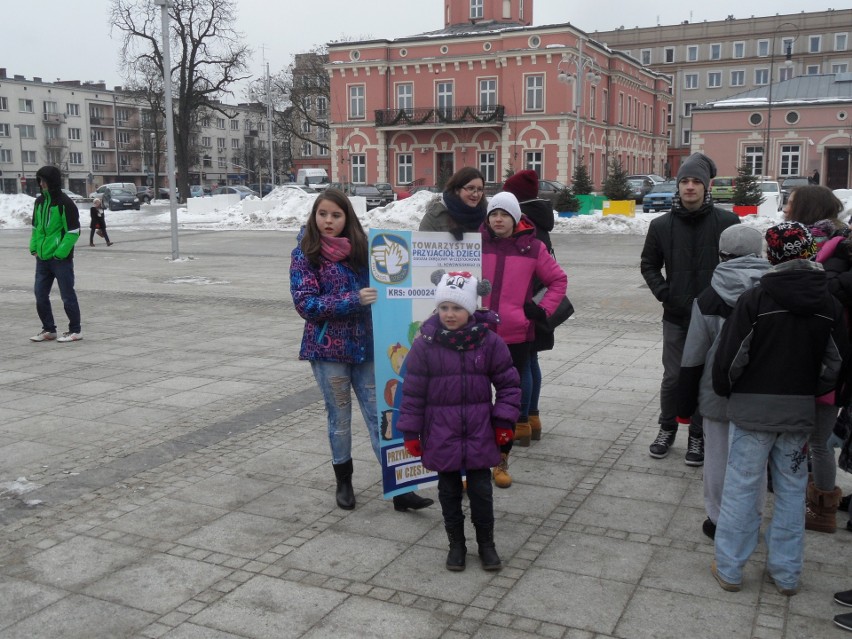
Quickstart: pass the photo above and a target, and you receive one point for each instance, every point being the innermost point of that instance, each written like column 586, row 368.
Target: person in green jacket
column 56, row 228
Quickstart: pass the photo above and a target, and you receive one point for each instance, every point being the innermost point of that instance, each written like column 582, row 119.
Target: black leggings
column 92, row 236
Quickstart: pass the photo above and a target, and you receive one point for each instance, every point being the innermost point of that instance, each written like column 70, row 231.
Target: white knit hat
column 460, row 288
column 507, row 202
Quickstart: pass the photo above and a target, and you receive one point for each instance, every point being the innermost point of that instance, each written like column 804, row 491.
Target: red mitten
column 413, row 447
column 503, row 435
column 683, row 420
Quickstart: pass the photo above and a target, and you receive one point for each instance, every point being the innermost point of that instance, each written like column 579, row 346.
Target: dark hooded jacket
column 685, row 244
column 447, row 397
column 56, row 220
column 782, row 347
column 541, row 214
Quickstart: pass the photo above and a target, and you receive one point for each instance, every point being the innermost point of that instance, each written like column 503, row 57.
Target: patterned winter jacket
column 511, row 264
column 338, row 328
column 447, row 398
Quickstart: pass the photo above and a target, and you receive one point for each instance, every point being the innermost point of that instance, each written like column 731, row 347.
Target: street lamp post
column 788, row 62
column 584, row 69
column 165, row 5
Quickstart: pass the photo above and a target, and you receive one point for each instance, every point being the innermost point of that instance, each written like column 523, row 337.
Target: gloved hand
column 503, row 435
column 683, row 420
column 413, row 447
column 534, row 312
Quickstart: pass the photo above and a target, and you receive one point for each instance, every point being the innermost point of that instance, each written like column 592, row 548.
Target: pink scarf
column 335, row 249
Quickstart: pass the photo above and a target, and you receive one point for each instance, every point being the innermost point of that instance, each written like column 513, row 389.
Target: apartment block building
column 712, row 60
column 97, row 135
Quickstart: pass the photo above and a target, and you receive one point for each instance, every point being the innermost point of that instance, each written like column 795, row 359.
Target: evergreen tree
column 616, row 186
column 581, row 183
column 747, row 188
column 565, row 202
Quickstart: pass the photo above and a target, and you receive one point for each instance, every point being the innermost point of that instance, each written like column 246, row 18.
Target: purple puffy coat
column 446, row 398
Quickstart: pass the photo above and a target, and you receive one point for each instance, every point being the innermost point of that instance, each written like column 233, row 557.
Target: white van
column 315, row 178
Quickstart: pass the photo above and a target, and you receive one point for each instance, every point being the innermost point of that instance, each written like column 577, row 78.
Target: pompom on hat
column 789, row 241
column 523, row 185
column 459, row 287
column 507, row 202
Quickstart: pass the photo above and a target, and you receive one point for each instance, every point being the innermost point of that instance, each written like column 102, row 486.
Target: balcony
column 55, row 143
column 103, row 167
column 460, row 115
column 99, row 121
column 102, row 144
column 53, row 118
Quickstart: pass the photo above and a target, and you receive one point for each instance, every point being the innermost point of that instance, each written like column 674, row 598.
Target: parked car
column 118, row 199
column 237, row 189
column 290, row 186
column 772, row 190
column 548, row 189
column 656, row 179
column 196, row 190
column 659, row 198
column 75, row 197
column 145, row 194
column 263, row 189
column 790, row 183
column 101, row 190
column 640, row 187
column 722, row 188
column 386, row 190
column 371, row 193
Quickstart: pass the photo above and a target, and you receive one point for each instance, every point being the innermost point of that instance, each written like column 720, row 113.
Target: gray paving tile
column 358, row 617
column 166, row 519
column 240, row 534
column 20, row 599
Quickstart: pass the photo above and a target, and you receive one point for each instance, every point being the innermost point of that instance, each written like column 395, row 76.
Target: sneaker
column 694, row 451
column 844, row 503
column 44, row 336
column 727, row 586
column 70, row 337
column 661, row 445
column 844, row 598
column 844, row 621
column 709, row 528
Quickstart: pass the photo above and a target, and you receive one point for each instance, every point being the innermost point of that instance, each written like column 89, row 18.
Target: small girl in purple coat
column 447, row 415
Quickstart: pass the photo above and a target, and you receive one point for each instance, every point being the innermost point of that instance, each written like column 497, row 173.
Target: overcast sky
column 73, row 40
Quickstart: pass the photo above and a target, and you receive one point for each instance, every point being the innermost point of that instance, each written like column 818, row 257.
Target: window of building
column 841, row 67
column 533, row 162
column 692, row 53
column 840, row 40
column 49, row 106
column 620, row 107
column 4, row 104
column 690, row 81
column 686, row 136
column 75, row 158
column 790, row 159
column 322, row 151
column 785, row 73
column 5, row 131
column 123, row 138
column 787, row 44
column 645, row 56
column 98, row 135
column 444, row 98
column 205, row 121
column 122, row 116
column 669, row 113
column 814, row 43
column 488, row 165
column 669, row 55
column 207, row 162
column 247, row 124
column 687, row 109
column 220, row 123
column 476, row 8
column 206, row 142
column 75, row 133
column 714, row 79
column 25, row 105
column 405, row 97
column 220, row 144
column 235, row 125
column 404, row 168
column 812, row 69
column 5, row 156
column 357, row 102
column 359, row 168
column 761, row 76
column 29, row 157
column 716, row 51
column 27, row 131
column 534, row 95
column 307, row 103
column 235, row 143
column 306, row 126
column 222, row 163
column 763, row 48
column 739, row 49
column 593, row 104
column 487, row 95
column 605, row 100
column 737, row 78
column 307, row 149
column 322, row 106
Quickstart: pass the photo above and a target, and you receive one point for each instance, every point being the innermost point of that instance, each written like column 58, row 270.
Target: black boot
column 411, row 500
column 458, row 550
column 345, row 495
column 487, row 551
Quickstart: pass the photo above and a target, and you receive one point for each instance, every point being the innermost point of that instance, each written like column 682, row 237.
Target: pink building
column 489, row 90
column 805, row 125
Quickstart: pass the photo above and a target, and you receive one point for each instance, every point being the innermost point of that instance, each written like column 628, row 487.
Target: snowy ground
column 292, row 208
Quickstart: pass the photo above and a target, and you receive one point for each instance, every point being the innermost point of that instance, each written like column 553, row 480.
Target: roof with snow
column 803, row 89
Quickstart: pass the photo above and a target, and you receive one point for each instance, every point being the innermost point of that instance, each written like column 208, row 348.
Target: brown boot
column 501, row 475
column 523, row 433
column 535, row 427
column 821, row 509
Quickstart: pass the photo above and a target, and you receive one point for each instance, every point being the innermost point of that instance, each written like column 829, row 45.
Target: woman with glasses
column 461, row 208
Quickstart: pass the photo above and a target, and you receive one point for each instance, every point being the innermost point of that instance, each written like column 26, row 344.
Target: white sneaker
column 44, row 336
column 70, row 337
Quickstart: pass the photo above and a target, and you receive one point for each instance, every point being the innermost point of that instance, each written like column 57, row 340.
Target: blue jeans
column 739, row 521
column 336, row 381
column 63, row 272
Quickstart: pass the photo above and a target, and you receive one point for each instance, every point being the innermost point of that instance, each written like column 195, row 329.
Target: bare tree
column 145, row 85
column 208, row 57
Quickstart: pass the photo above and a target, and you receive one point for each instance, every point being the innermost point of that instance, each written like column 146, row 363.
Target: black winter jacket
column 541, row 214
column 782, row 347
column 686, row 245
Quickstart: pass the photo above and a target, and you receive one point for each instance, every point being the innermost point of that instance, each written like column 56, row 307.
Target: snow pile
column 16, row 211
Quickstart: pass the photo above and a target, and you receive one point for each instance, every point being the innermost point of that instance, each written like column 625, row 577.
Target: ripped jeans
column 336, row 381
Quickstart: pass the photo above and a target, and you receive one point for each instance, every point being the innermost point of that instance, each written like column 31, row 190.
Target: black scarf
column 464, row 339
column 468, row 217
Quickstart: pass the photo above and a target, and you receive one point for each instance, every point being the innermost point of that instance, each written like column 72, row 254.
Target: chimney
column 19, row 77
column 35, row 79
column 2, row 74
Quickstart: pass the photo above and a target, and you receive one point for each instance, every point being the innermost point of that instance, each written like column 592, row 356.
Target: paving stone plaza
column 169, row 476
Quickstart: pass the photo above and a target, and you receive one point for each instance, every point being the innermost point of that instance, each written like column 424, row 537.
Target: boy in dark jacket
column 448, row 417
column 782, row 347
column 56, row 228
column 685, row 243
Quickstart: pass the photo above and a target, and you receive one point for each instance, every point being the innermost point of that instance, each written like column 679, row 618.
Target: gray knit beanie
column 698, row 166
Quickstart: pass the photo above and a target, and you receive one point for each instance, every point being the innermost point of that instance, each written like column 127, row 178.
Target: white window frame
column 788, row 42
column 488, row 165
column 476, row 9
column 445, row 96
column 840, row 67
column 27, row 131
column 738, row 49
column 534, row 161
column 761, row 77
column 30, row 157
column 487, row 95
column 669, row 55
column 690, row 81
column 220, row 123
column 358, row 168
column 222, row 162
column 692, row 53
column 404, row 168
column 687, row 108
column 6, row 156
column 4, row 103
column 686, row 137
column 715, row 51
column 322, row 106
column 790, row 160
column 357, row 102
column 841, row 41
column 534, row 93
column 235, row 125
column 25, row 105
column 785, row 73
column 5, row 130
column 405, row 97
column 75, row 133
column 814, row 44
column 322, row 150
column 714, row 79
column 307, row 149
column 646, row 56
column 762, row 49
column 812, row 69
column 235, row 144
column 75, row 158
column 738, row 77
column 220, row 144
